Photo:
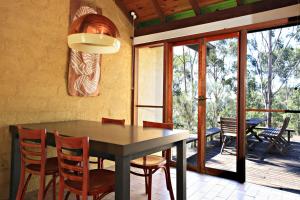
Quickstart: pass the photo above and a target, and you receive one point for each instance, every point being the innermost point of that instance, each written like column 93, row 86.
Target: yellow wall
column 34, row 66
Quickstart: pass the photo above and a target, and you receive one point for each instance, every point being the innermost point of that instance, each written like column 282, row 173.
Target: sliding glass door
column 185, row 96
column 206, row 93
column 196, row 85
column 218, row 102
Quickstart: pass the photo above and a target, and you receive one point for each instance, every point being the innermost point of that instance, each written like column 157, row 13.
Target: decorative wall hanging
column 90, row 35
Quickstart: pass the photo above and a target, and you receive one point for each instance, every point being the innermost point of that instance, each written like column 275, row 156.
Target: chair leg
column 266, row 151
column 146, row 181
column 51, row 182
column 150, row 184
column 169, row 182
column 21, row 183
column 84, row 197
column 42, row 186
column 54, row 187
column 61, row 190
column 25, row 186
column 100, row 163
column 223, row 144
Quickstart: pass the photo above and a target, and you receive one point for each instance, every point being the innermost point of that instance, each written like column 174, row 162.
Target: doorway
column 205, row 88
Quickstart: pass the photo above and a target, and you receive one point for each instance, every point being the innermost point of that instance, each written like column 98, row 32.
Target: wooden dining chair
column 228, row 130
column 104, row 120
column 151, row 163
column 74, row 172
column 34, row 161
column 113, row 121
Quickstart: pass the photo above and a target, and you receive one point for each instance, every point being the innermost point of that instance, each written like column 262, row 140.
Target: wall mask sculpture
column 90, row 35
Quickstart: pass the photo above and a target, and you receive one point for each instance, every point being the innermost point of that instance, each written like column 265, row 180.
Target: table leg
column 15, row 164
column 122, row 178
column 257, row 137
column 253, row 133
column 181, row 170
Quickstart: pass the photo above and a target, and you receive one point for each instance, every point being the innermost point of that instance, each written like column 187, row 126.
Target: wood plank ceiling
column 158, row 15
column 160, row 9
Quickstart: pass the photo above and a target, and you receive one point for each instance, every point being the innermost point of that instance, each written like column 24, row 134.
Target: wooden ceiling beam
column 124, row 9
column 195, row 6
column 245, row 9
column 159, row 11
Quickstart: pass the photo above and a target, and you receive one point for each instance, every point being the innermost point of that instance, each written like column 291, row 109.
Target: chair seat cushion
column 51, row 166
column 100, row 181
column 270, row 132
column 151, row 161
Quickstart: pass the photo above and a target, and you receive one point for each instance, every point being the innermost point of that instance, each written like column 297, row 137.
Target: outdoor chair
column 151, row 163
column 228, row 130
column 275, row 137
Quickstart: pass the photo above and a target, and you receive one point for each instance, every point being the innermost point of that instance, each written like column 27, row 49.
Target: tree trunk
column 184, row 70
column 270, row 73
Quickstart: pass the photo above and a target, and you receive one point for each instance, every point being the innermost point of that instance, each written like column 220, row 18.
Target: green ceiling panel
column 190, row 13
column 249, row 1
column 148, row 23
column 181, row 15
column 219, row 6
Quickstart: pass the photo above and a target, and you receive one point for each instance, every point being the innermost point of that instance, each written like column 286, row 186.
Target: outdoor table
column 252, row 123
column 113, row 142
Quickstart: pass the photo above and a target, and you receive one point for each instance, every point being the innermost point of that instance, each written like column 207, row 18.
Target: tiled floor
column 199, row 187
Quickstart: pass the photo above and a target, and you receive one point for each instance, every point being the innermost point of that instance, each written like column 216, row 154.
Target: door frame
column 239, row 175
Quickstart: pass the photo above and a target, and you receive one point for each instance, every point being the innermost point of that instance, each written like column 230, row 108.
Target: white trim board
column 280, row 13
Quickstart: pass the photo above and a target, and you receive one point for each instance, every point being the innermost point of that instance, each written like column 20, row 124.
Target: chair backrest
column 148, row 124
column 113, row 121
column 228, row 125
column 284, row 126
column 73, row 159
column 158, row 125
column 33, row 146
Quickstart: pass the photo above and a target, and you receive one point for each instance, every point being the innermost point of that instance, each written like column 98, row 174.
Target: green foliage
column 272, row 52
column 282, row 46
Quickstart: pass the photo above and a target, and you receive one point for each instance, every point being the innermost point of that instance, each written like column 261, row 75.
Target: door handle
column 201, row 98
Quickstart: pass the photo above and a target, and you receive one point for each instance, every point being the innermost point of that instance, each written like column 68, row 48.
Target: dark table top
column 255, row 121
column 115, row 139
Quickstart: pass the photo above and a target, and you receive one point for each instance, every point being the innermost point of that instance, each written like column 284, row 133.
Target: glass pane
column 273, row 82
column 185, row 94
column 149, row 114
column 150, row 76
column 221, row 91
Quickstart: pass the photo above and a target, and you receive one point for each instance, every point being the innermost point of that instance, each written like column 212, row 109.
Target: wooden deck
column 277, row 171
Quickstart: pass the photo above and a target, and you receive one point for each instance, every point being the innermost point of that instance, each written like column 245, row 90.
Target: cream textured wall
column 34, row 66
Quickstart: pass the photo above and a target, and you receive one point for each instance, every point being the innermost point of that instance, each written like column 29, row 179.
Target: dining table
column 113, row 142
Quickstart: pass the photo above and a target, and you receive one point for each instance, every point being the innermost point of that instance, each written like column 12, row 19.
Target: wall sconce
column 93, row 33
